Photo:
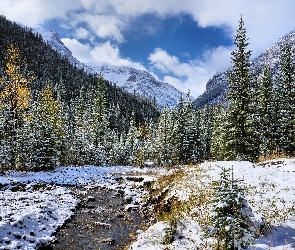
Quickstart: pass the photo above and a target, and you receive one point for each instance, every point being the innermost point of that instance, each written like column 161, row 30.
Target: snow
column 271, row 192
column 33, row 205
column 130, row 79
column 29, row 218
column 141, row 82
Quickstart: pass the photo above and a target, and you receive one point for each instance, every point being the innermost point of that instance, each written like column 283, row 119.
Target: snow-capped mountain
column 141, row 82
column 217, row 86
column 130, row 79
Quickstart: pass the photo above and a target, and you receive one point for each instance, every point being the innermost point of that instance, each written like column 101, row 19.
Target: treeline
column 43, row 132
column 102, row 125
column 43, row 96
column 257, row 118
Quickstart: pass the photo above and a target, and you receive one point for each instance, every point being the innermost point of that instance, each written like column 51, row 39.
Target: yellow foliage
column 15, row 92
column 48, row 102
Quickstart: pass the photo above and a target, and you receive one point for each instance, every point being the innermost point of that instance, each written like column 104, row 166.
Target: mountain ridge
column 216, row 87
column 130, row 79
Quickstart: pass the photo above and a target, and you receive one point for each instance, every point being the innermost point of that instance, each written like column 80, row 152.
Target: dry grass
column 188, row 180
column 272, row 155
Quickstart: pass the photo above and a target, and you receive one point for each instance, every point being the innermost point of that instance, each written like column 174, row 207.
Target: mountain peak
column 216, row 87
column 130, row 79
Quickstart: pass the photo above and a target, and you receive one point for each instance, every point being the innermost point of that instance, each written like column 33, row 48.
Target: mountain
column 70, row 83
column 217, row 85
column 130, row 79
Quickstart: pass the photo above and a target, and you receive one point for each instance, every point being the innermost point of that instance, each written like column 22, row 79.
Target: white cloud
column 102, row 25
column 34, row 13
column 81, row 33
column 103, row 53
column 195, row 73
column 265, row 20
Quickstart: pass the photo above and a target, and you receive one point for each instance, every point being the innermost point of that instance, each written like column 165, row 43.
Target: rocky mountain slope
column 217, row 86
column 130, row 79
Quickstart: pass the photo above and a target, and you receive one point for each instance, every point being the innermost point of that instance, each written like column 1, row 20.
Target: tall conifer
column 240, row 132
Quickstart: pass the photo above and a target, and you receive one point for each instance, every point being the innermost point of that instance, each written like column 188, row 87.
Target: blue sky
column 183, row 43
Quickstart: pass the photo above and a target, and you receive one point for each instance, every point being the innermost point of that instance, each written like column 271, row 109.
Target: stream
column 99, row 222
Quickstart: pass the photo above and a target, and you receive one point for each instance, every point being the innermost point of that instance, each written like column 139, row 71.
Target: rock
column 128, row 199
column 131, row 207
column 120, row 214
column 102, row 224
column 17, row 235
column 109, row 241
column 6, row 240
column 90, row 199
column 135, row 178
column 120, row 192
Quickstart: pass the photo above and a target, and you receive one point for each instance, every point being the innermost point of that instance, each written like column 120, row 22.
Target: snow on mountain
column 52, row 38
column 140, row 82
column 130, row 79
column 217, row 86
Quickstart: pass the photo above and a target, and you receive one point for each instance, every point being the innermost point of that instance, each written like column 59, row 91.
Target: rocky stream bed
column 101, row 221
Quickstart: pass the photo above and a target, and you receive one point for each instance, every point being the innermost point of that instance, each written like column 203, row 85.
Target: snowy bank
column 270, row 192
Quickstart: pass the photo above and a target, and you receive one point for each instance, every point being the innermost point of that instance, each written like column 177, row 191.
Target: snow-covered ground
column 271, row 192
column 34, row 205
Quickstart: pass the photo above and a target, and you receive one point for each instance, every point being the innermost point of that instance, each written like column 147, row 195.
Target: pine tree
column 191, row 144
column 101, row 135
column 232, row 219
column 241, row 141
column 266, row 125
column 218, row 134
column 285, row 87
column 131, row 143
column 48, row 128
column 163, row 142
column 185, row 133
column 206, row 127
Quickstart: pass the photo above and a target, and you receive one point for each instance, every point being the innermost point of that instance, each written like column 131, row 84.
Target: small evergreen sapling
column 232, row 219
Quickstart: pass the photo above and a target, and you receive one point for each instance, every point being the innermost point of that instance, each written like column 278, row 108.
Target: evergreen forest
column 53, row 113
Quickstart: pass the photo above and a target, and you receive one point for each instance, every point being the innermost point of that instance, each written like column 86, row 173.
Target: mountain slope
column 129, row 79
column 70, row 83
column 217, row 86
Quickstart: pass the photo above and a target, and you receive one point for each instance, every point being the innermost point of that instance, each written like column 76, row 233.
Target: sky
column 181, row 42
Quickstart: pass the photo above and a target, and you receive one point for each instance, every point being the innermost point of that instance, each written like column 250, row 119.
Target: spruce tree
column 232, row 219
column 285, row 86
column 163, row 140
column 48, row 128
column 240, row 137
column 266, row 125
column 206, row 130
column 218, row 134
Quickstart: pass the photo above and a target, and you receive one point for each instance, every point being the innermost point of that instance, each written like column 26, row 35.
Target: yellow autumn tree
column 14, row 99
column 15, row 91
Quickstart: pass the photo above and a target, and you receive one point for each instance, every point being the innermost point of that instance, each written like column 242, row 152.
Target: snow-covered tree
column 131, row 144
column 241, row 141
column 218, row 134
column 206, row 130
column 232, row 220
column 163, row 142
column 285, row 99
column 265, row 113
column 47, row 125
